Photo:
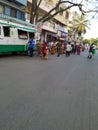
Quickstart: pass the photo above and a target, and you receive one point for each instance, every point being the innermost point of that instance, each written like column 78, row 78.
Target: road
column 55, row 94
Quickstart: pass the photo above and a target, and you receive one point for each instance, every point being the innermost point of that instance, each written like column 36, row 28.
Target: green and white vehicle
column 15, row 34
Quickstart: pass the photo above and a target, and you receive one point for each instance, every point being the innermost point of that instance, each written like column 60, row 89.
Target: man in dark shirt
column 31, row 46
column 90, row 51
column 91, row 48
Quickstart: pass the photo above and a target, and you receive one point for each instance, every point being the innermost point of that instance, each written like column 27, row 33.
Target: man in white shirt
column 68, row 49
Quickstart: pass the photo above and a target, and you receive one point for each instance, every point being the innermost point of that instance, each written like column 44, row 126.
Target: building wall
column 47, row 5
column 54, row 27
column 12, row 8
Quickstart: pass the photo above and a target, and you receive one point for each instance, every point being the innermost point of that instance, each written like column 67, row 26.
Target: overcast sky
column 93, row 31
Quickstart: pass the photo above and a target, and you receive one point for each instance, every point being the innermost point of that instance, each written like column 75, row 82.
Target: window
column 13, row 12
column 22, row 34
column 1, row 9
column 23, row 16
column 6, row 31
column 67, row 15
column 7, row 10
column 20, row 15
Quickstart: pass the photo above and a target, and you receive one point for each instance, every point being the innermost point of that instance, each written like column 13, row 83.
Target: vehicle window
column 22, row 34
column 6, row 31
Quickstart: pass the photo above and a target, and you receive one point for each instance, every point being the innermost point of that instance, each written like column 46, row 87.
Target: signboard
column 37, row 36
column 23, row 2
column 39, row 27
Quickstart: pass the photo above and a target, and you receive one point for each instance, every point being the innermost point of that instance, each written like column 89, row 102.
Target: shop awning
column 62, row 39
column 52, row 34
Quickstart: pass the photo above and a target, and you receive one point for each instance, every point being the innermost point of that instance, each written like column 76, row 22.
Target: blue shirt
column 31, row 44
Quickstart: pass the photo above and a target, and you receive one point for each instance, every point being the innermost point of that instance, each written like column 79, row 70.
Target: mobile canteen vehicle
column 15, row 34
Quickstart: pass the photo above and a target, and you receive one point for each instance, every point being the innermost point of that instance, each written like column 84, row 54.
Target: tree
column 34, row 10
column 80, row 25
column 90, row 8
column 54, row 11
column 85, row 41
column 93, row 40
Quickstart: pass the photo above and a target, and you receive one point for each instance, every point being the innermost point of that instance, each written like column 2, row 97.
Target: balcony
column 45, row 6
column 61, row 19
column 49, row 27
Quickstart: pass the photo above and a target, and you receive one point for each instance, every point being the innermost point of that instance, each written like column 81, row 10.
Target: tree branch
column 37, row 6
column 49, row 15
column 53, row 9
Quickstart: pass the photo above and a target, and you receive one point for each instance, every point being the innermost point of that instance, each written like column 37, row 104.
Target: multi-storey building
column 51, row 30
column 56, row 27
column 13, row 8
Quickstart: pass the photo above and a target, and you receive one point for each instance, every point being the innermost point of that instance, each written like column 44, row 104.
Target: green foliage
column 86, row 41
column 93, row 40
column 80, row 24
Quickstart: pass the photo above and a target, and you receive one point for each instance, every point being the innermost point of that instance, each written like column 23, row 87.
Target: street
column 60, row 93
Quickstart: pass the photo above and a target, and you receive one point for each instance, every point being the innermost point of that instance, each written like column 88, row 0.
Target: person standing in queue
column 68, row 49
column 58, row 48
column 45, row 51
column 31, row 46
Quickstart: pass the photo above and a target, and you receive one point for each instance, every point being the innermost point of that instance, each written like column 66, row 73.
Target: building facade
column 13, row 8
column 54, row 29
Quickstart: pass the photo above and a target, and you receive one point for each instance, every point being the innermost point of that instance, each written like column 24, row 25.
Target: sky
column 93, row 31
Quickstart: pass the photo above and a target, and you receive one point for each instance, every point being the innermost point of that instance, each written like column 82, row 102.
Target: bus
column 15, row 34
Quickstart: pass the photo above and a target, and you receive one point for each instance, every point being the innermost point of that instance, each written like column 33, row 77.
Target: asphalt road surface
column 55, row 94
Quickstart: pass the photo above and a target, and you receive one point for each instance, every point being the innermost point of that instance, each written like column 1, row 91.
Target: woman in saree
column 40, row 49
column 53, row 48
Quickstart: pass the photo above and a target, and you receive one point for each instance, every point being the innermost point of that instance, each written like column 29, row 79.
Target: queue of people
column 56, row 47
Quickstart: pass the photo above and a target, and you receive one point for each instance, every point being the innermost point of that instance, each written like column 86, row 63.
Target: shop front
column 48, row 34
column 64, row 34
